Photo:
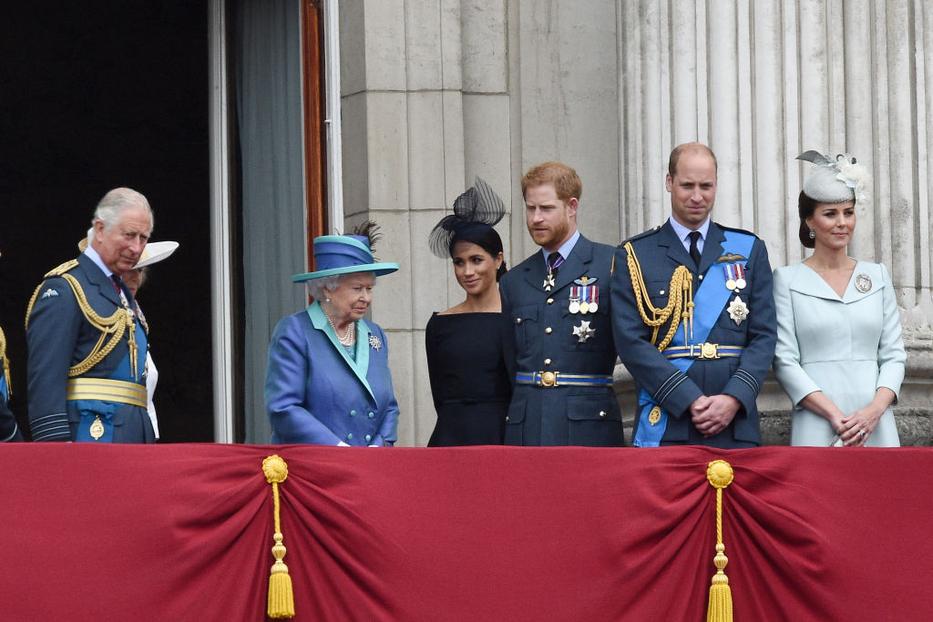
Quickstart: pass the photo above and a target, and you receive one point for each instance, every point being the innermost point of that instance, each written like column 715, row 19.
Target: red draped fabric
column 184, row 532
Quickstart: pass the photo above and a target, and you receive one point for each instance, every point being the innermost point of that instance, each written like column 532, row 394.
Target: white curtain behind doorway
column 267, row 53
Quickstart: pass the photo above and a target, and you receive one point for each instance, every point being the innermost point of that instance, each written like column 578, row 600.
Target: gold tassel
column 281, row 601
column 719, row 609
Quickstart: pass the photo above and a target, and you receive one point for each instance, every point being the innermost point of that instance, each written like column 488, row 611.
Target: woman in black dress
column 465, row 344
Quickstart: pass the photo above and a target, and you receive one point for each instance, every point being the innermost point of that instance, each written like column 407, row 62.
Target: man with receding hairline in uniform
column 87, row 344
column 693, row 317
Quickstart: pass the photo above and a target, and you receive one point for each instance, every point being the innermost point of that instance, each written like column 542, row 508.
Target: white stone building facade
column 435, row 92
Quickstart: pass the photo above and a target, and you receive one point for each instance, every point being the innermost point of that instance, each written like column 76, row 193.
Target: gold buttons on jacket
column 602, row 413
column 550, row 301
column 518, row 320
column 547, row 361
column 548, row 330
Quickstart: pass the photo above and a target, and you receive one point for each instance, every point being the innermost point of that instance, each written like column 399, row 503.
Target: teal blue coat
column 315, row 393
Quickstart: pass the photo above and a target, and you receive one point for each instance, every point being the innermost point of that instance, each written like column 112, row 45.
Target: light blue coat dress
column 316, row 393
column 845, row 347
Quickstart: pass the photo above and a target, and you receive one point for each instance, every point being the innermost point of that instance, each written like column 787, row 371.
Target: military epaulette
column 61, row 269
column 641, row 235
column 736, row 229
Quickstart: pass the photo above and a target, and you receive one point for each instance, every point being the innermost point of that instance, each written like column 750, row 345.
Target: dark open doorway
column 95, row 95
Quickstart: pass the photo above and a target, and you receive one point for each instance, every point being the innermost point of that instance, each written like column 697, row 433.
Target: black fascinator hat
column 476, row 211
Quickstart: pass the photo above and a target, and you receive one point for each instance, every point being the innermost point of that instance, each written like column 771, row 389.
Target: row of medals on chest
column 583, row 299
column 735, row 282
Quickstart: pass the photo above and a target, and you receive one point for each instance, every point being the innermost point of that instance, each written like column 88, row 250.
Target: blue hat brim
column 379, row 269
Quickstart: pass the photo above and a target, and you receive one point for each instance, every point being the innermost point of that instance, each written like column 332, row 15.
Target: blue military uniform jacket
column 542, row 327
column 316, row 393
column 9, row 430
column 59, row 337
column 660, row 252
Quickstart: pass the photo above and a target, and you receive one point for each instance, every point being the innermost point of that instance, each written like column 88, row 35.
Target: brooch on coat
column 375, row 343
column 863, row 283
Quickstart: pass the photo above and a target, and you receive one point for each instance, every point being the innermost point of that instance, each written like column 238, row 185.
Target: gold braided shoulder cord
column 679, row 303
column 6, row 363
column 114, row 325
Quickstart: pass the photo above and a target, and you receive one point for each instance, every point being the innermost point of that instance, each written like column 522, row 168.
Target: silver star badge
column 583, row 331
column 738, row 310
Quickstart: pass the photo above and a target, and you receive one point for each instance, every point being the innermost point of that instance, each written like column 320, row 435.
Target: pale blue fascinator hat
column 834, row 179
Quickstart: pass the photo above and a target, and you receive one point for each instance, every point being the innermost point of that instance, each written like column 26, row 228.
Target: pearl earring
column 812, row 235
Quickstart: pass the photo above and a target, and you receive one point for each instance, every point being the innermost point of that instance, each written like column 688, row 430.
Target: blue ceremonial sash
column 89, row 410
column 710, row 299
column 4, row 391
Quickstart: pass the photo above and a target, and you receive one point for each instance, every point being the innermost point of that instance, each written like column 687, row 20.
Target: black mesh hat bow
column 477, row 209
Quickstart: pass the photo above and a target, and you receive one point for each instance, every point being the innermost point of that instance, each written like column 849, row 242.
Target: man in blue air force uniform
column 693, row 317
column 87, row 345
column 9, row 429
column 557, row 303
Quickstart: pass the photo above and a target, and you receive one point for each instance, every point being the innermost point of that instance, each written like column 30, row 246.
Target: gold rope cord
column 114, row 325
column 281, row 599
column 719, row 474
column 6, row 364
column 679, row 303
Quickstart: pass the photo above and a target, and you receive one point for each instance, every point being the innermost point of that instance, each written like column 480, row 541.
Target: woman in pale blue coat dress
column 839, row 356
column 328, row 380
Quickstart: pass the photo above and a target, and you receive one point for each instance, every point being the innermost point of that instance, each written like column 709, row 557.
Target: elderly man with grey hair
column 87, row 345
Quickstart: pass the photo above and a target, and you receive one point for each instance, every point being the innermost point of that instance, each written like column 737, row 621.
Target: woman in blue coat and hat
column 328, row 379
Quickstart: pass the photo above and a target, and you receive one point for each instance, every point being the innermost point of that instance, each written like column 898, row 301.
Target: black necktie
column 554, row 261
column 694, row 249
